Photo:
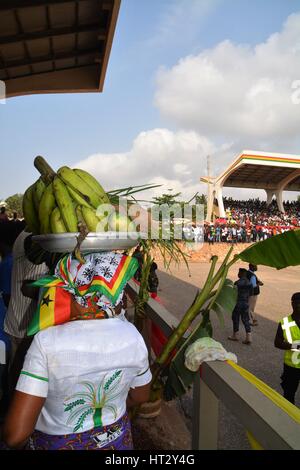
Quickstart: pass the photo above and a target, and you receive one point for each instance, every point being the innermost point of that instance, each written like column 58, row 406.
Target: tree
column 14, row 203
column 167, row 199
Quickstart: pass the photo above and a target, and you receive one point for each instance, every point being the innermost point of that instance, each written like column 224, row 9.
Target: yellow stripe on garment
column 274, row 396
column 117, row 283
column 47, row 309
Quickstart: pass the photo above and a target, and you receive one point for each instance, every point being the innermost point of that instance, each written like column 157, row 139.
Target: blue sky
column 150, row 35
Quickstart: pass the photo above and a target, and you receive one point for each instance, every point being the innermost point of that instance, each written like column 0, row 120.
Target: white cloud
column 174, row 159
column 237, row 91
column 223, row 100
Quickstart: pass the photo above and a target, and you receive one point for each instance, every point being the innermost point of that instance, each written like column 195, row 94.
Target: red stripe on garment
column 110, row 283
column 62, row 308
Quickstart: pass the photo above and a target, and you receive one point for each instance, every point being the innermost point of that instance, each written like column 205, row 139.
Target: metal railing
column 270, row 425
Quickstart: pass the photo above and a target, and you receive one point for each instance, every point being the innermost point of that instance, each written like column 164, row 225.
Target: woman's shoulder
column 87, row 329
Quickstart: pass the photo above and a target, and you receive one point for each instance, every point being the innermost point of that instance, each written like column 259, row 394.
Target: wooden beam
column 12, row 4
column 47, row 72
column 52, row 32
column 20, row 30
column 74, row 80
column 51, row 57
column 109, row 40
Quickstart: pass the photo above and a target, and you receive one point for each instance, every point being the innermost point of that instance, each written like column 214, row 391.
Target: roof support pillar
column 270, row 194
column 279, row 199
column 210, row 202
column 219, row 191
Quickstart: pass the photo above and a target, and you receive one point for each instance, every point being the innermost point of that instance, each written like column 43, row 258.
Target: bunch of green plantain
column 60, row 202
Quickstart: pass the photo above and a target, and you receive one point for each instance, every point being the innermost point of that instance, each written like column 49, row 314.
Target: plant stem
column 195, row 309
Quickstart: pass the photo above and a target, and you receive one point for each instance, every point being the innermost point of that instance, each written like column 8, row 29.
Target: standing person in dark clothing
column 241, row 309
column 288, row 339
column 256, row 283
column 153, row 280
column 139, row 256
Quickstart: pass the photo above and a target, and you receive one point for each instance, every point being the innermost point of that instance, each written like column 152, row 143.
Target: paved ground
column 261, row 358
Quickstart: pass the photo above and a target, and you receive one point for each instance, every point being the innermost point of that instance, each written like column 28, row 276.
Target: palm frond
column 90, row 387
column 113, row 409
column 77, row 412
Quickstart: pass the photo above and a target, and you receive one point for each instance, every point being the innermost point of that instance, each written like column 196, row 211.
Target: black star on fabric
column 47, row 300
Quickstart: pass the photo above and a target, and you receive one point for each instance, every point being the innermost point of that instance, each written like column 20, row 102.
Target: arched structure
column 272, row 172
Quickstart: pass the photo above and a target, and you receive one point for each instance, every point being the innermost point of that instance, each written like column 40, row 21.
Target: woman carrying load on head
column 80, row 376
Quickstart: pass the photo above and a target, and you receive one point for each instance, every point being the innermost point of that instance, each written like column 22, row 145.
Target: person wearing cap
column 241, row 309
column 288, row 339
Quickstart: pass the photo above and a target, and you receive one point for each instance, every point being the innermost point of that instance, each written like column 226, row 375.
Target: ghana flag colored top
column 99, row 282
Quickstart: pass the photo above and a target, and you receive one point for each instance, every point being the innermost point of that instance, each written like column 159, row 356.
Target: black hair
column 296, row 297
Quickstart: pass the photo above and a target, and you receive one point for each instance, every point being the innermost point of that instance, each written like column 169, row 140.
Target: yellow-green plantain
column 39, row 188
column 91, row 219
column 29, row 211
column 65, row 205
column 79, row 215
column 81, row 187
column 47, row 205
column 56, row 222
column 93, row 183
column 78, row 199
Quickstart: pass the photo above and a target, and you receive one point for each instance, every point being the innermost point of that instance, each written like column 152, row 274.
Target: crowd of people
column 251, row 221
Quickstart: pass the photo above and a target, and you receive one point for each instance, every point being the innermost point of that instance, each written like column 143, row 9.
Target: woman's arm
column 21, row 419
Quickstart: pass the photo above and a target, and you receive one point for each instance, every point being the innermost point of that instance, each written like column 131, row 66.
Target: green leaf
column 179, row 377
column 225, row 300
column 277, row 252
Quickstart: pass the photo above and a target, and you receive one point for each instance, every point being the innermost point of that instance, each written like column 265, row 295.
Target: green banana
column 90, row 218
column 39, row 188
column 78, row 199
column 47, row 205
column 93, row 183
column 65, row 205
column 56, row 222
column 73, row 181
column 29, row 211
column 79, row 215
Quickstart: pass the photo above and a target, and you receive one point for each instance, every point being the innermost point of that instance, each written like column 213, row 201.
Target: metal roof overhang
column 258, row 170
column 55, row 46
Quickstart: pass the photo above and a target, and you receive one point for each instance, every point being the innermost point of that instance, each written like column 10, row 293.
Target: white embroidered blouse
column 84, row 369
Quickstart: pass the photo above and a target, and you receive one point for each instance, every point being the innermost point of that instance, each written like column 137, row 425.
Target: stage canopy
column 55, row 46
column 272, row 172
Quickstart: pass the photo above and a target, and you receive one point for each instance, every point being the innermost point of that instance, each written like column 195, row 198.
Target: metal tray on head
column 94, row 242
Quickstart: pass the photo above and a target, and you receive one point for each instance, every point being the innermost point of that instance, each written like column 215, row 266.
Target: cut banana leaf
column 179, row 377
column 225, row 300
column 277, row 252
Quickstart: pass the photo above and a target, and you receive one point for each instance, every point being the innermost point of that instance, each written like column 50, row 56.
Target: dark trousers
column 290, row 381
column 241, row 311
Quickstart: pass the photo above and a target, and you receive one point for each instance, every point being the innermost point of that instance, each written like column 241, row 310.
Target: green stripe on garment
column 143, row 372
column 24, row 372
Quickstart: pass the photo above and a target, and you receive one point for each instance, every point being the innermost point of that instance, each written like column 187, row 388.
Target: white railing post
column 205, row 417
